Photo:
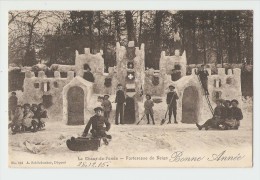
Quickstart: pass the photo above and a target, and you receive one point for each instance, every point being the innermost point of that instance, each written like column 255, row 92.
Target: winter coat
column 236, row 113
column 171, row 98
column 97, row 123
column 220, row 112
column 89, row 76
column 148, row 107
column 18, row 117
column 203, row 74
column 12, row 103
column 120, row 97
column 107, row 106
column 27, row 118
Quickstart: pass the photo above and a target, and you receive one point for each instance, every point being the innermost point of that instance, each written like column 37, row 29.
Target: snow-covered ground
column 134, row 140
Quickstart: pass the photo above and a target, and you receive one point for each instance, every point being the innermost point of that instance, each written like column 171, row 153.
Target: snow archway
column 190, row 105
column 77, row 89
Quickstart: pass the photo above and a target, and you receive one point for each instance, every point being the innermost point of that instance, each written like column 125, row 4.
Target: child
column 17, row 119
column 172, row 104
column 41, row 114
column 27, row 119
column 217, row 119
column 12, row 102
column 235, row 117
column 148, row 108
column 120, row 100
column 203, row 75
column 107, row 107
column 97, row 122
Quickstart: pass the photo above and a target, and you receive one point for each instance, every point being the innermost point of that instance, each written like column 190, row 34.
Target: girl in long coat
column 148, row 108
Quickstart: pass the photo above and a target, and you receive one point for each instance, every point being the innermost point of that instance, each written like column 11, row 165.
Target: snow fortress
column 67, row 98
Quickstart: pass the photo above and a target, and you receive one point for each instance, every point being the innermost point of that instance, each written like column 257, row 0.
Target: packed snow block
column 56, row 74
column 193, row 71
column 131, row 44
column 70, row 75
column 230, row 72
column 29, row 74
column 173, row 62
column 221, row 71
column 41, row 74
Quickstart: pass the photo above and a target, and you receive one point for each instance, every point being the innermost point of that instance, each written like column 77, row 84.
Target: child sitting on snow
column 41, row 115
column 16, row 123
column 236, row 115
column 148, row 108
column 97, row 122
column 217, row 119
column 27, row 122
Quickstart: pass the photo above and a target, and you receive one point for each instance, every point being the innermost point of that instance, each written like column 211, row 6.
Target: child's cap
column 98, row 109
column 106, row 96
column 234, row 100
column 171, row 86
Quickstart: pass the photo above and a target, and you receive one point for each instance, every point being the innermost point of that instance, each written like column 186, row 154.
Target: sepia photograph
column 130, row 88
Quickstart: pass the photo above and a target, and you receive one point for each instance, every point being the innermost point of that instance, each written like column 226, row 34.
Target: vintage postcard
column 130, row 88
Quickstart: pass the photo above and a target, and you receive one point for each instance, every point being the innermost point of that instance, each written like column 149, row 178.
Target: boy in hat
column 235, row 117
column 27, row 122
column 12, row 102
column 41, row 114
column 88, row 75
column 97, row 122
column 203, row 75
column 107, row 106
column 120, row 100
column 34, row 109
column 148, row 108
column 172, row 104
column 217, row 119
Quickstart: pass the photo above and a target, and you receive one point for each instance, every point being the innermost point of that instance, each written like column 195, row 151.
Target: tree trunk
column 117, row 26
column 140, row 28
column 219, row 38
column 130, row 25
column 90, row 33
column 157, row 38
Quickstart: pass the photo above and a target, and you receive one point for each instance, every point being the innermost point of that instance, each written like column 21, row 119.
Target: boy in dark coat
column 148, row 108
column 97, row 122
column 88, row 75
column 12, row 102
column 107, row 106
column 235, row 116
column 120, row 100
column 217, row 119
column 203, row 75
column 41, row 114
column 172, row 104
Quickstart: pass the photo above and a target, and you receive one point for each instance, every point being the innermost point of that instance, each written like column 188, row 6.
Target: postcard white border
column 176, row 173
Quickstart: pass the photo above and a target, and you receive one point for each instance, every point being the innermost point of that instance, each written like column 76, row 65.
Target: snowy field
column 133, row 140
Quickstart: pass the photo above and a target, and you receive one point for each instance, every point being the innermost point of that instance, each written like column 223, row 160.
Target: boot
column 169, row 122
column 175, row 122
column 105, row 141
column 199, row 127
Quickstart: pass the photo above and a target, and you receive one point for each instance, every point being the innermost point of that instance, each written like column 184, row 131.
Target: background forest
column 51, row 37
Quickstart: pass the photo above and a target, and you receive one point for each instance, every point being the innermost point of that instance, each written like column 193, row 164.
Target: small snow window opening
column 36, row 85
column 55, row 84
column 46, row 86
column 218, row 95
column 217, row 83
